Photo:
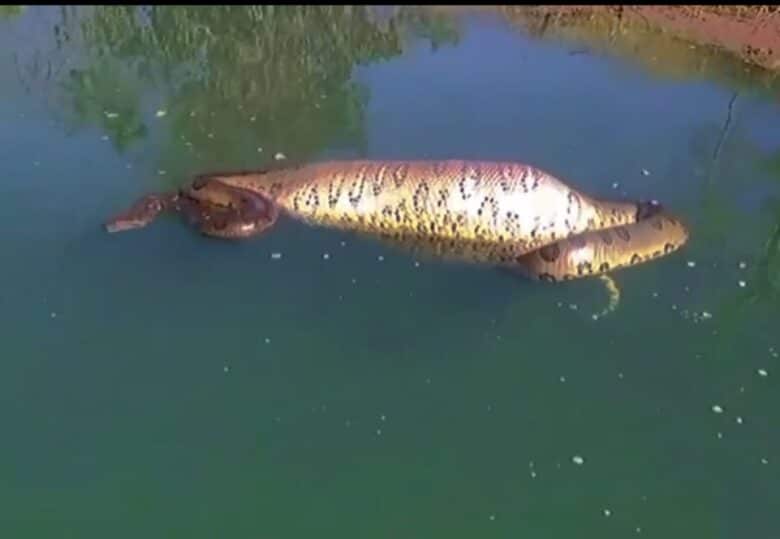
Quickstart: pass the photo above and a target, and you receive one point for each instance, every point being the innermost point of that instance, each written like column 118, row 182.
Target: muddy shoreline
column 752, row 33
column 748, row 34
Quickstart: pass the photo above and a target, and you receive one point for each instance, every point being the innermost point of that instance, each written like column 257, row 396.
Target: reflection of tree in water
column 10, row 11
column 237, row 78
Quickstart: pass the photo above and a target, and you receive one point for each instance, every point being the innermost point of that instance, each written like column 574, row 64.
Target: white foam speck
column 691, row 264
column 276, row 256
column 717, row 409
column 162, row 112
column 578, row 460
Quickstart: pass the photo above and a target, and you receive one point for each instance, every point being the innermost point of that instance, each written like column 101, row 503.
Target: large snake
column 504, row 214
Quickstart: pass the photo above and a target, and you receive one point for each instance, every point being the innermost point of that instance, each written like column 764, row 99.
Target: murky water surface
column 310, row 383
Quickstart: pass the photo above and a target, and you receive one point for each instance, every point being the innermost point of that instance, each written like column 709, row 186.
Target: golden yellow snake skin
column 507, row 214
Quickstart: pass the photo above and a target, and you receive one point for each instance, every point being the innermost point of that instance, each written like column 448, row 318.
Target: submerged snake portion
column 505, row 214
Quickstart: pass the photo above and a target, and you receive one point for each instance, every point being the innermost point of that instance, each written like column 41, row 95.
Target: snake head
column 140, row 214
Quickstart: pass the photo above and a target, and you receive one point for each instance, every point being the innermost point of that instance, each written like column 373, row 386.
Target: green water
column 312, row 384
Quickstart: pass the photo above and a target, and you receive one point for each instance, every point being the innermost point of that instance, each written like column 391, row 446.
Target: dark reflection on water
column 158, row 384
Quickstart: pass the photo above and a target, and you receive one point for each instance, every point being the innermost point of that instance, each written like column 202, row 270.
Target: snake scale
column 499, row 213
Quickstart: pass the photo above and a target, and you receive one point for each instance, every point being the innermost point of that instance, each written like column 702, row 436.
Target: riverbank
column 751, row 33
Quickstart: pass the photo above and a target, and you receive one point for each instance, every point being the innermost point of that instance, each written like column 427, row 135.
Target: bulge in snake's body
column 501, row 213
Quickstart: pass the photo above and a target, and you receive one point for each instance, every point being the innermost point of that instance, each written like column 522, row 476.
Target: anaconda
column 505, row 214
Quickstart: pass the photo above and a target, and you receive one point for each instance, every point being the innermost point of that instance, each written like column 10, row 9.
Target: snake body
column 506, row 214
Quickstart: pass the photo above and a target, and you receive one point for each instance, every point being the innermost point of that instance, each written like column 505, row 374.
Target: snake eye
column 199, row 183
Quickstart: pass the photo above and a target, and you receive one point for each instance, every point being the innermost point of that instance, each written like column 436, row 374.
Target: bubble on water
column 615, row 185
column 645, row 172
column 573, row 306
column 764, row 461
column 162, row 112
column 607, row 512
column 259, row 149
column 279, row 156
column 226, row 368
column 533, row 474
column 762, row 372
column 325, row 256
column 620, row 375
column 276, row 256
column 161, row 172
column 416, row 264
column 380, row 258
column 742, row 284
column 111, row 115
column 348, row 423
column 379, row 432
column 691, row 264
column 706, row 315
column 655, row 294
column 739, row 420
column 562, row 379
column 492, row 517
column 53, row 314
column 720, row 436
column 104, row 137
column 210, row 135
column 382, row 417
column 742, row 265
column 267, row 340
column 252, row 118
column 717, row 409
column 343, row 243
column 578, row 460
column 354, row 281
column 638, row 529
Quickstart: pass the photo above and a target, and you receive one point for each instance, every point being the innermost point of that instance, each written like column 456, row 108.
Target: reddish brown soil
column 750, row 32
